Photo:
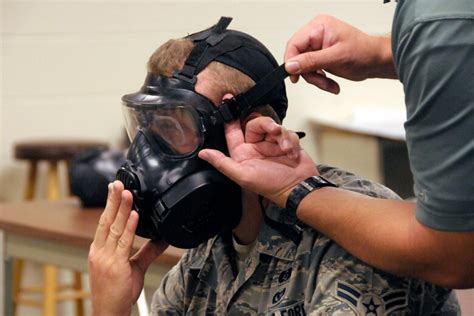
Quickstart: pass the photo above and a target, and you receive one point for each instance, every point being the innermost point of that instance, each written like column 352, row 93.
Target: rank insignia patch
column 371, row 304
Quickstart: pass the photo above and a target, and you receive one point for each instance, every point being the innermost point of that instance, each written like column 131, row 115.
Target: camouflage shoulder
column 349, row 286
column 352, row 182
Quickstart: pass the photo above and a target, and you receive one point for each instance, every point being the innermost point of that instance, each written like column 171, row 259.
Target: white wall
column 67, row 63
column 1, row 77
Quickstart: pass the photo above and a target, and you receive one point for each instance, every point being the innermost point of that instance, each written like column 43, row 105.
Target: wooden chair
column 53, row 153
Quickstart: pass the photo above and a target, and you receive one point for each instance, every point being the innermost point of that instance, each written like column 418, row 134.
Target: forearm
column 386, row 234
column 383, row 66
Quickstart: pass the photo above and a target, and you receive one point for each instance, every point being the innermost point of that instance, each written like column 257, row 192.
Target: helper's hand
column 266, row 160
column 328, row 44
column 116, row 279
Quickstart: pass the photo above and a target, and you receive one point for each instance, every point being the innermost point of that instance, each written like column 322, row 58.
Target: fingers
column 286, row 143
column 294, row 78
column 309, row 38
column 257, row 129
column 265, row 133
column 312, row 61
column 125, row 242
column 148, row 253
column 322, row 82
column 117, row 228
column 109, row 213
column 290, row 143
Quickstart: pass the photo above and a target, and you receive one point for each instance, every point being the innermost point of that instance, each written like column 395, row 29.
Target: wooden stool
column 52, row 152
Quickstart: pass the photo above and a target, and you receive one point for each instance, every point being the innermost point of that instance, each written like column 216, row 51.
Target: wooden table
column 60, row 233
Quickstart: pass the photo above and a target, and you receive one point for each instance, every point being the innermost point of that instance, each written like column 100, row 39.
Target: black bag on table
column 90, row 173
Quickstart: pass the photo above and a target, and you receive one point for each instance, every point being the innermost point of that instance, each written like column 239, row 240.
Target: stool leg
column 53, row 181
column 18, row 265
column 68, row 190
column 50, row 300
column 30, row 185
column 78, row 287
column 50, row 273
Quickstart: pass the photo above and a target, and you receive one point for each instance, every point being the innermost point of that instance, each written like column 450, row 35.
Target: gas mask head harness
column 179, row 197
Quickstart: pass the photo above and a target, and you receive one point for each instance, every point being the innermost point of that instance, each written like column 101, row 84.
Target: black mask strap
column 243, row 103
column 215, row 35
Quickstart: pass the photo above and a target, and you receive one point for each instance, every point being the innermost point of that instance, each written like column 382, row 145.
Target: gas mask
column 179, row 197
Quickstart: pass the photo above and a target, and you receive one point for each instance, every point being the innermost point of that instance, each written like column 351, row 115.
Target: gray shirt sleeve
column 434, row 56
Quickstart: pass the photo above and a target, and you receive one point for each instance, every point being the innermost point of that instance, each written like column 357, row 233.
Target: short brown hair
column 171, row 56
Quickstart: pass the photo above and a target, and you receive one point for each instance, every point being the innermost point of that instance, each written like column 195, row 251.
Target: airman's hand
column 116, row 279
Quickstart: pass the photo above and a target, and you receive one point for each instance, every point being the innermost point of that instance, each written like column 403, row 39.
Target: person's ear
column 227, row 96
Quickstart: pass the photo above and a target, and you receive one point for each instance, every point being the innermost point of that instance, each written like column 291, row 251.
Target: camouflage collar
column 272, row 242
column 215, row 261
column 204, row 251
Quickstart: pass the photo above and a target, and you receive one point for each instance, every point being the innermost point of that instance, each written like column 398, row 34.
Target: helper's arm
column 383, row 233
column 386, row 234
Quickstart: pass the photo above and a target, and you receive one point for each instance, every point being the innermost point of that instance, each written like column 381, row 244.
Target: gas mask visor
column 172, row 125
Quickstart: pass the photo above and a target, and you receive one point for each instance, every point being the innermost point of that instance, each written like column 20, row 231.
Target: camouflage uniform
column 313, row 277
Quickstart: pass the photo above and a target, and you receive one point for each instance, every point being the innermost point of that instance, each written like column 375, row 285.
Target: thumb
column 221, row 162
column 234, row 135
column 311, row 61
column 148, row 253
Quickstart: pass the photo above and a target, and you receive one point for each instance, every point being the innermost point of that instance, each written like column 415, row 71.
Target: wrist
column 383, row 66
column 281, row 198
column 302, row 189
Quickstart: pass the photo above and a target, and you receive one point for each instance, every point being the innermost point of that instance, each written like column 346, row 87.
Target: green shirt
column 433, row 51
column 313, row 276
